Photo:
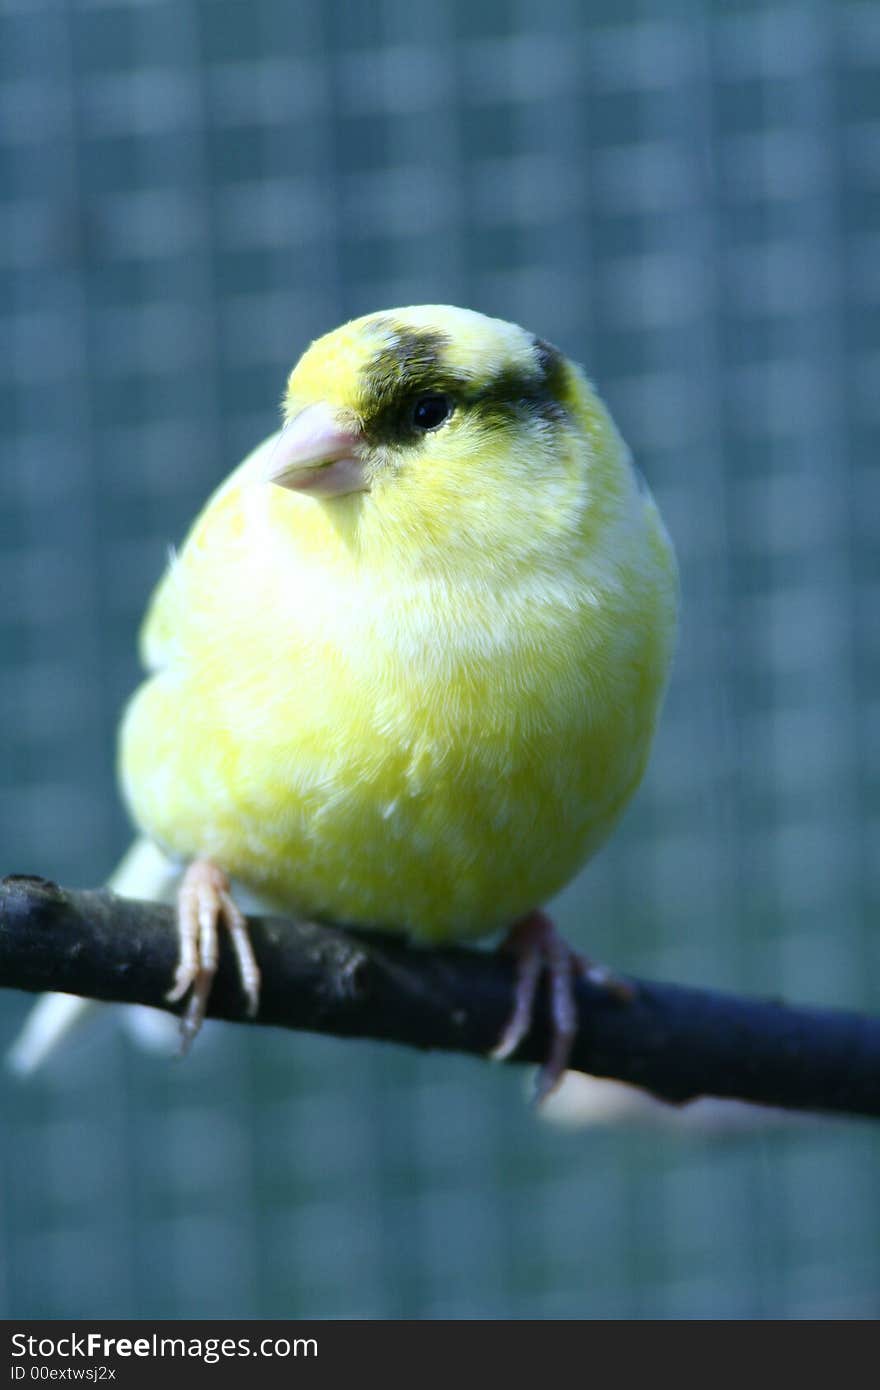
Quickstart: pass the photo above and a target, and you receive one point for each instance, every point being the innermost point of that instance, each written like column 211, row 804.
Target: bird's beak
column 315, row 453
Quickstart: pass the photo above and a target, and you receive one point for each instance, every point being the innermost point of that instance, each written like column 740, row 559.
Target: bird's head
column 435, row 431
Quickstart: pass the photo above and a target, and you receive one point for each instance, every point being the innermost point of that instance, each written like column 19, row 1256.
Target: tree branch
column 676, row 1042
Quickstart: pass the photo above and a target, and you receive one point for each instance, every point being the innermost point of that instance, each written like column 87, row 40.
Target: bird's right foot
column 537, row 945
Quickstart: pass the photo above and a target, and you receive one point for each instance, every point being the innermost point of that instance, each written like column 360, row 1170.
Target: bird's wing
column 160, row 630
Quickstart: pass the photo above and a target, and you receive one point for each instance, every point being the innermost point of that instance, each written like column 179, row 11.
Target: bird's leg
column 204, row 901
column 536, row 944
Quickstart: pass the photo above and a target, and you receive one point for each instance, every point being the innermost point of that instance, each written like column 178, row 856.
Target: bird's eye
column 431, row 411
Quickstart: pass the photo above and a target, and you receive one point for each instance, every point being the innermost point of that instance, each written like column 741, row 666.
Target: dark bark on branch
column 676, row 1042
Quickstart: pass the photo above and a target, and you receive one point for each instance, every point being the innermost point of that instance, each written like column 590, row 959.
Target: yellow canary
column 407, row 667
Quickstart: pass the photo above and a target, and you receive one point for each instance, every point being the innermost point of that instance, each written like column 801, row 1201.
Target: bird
column 406, row 670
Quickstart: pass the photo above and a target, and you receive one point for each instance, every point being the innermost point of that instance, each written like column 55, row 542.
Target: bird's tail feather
column 144, row 872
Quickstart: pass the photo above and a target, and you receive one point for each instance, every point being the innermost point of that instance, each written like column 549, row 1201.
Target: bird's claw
column 204, row 902
column 537, row 945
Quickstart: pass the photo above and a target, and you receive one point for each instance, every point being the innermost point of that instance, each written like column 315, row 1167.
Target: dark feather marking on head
column 412, row 362
column 552, row 364
column 514, row 392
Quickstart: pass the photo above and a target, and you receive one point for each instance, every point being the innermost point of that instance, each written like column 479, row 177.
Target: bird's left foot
column 537, row 945
column 204, row 902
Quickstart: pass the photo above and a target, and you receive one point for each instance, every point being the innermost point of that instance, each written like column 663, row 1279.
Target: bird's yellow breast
column 426, row 752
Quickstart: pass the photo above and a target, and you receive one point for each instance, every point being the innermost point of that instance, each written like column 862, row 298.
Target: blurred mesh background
column 685, row 197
